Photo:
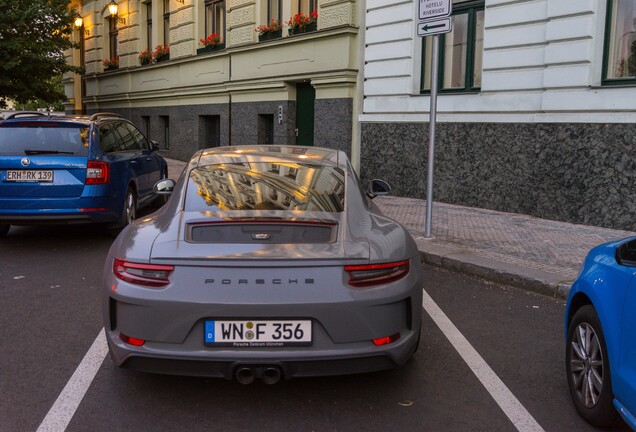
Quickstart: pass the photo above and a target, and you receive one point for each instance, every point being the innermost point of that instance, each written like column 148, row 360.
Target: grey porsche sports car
column 266, row 262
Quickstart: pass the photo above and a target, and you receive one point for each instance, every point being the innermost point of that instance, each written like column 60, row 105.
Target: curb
column 459, row 260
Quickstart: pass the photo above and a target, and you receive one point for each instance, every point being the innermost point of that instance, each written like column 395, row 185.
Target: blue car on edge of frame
column 600, row 331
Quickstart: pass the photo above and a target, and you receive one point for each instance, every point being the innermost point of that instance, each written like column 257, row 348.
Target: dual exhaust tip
column 269, row 374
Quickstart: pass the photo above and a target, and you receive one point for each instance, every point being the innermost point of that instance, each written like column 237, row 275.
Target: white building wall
column 542, row 62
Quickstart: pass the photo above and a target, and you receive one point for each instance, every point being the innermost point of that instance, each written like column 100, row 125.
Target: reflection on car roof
column 273, row 153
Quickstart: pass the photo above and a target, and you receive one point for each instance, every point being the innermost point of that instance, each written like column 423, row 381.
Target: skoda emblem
column 25, row 161
column 261, row 236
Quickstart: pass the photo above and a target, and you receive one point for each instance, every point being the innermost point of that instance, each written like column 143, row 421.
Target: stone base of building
column 182, row 130
column 578, row 173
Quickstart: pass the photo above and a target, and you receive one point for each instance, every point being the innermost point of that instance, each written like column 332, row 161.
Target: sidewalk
column 534, row 254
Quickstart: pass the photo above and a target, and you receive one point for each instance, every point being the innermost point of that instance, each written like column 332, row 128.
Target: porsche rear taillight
column 151, row 275
column 97, row 173
column 376, row 274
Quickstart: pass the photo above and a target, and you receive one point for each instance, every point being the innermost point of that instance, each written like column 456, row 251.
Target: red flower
column 212, row 40
column 160, row 51
column 273, row 26
column 300, row 21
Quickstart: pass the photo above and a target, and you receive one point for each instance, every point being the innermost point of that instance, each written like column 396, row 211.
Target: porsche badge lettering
column 276, row 281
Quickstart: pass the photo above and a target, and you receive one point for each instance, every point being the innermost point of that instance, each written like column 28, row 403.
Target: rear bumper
column 345, row 321
column 293, row 365
column 58, row 211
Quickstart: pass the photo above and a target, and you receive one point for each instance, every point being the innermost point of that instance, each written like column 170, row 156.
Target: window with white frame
column 460, row 51
column 620, row 42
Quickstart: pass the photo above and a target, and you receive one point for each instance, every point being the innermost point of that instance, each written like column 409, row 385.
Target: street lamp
column 112, row 8
column 79, row 22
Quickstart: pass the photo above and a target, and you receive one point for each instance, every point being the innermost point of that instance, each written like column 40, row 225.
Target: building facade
column 296, row 86
column 536, row 109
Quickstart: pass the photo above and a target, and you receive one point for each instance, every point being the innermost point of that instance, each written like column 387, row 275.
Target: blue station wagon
column 64, row 169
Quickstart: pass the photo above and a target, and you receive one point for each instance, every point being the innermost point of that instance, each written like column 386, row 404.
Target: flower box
column 306, row 29
column 110, row 68
column 210, row 48
column 163, row 58
column 270, row 35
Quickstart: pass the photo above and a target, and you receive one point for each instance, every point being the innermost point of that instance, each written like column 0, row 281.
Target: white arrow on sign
column 429, row 28
column 430, row 9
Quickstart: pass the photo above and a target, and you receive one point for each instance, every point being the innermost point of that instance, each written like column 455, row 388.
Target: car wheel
column 588, row 369
column 128, row 214
column 4, row 229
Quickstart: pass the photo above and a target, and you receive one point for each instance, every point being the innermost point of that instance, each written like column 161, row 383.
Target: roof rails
column 99, row 115
column 25, row 113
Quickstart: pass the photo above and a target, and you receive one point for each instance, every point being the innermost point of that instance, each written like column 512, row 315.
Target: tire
column 588, row 369
column 128, row 213
column 4, row 229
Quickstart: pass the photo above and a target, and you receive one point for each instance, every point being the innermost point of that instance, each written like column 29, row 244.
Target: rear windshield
column 266, row 186
column 19, row 139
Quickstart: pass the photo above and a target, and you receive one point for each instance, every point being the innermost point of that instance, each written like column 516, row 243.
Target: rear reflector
column 93, row 209
column 97, row 173
column 142, row 274
column 131, row 340
column 376, row 274
column 386, row 340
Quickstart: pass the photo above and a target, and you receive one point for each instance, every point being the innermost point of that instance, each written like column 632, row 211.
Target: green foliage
column 34, row 104
column 33, row 36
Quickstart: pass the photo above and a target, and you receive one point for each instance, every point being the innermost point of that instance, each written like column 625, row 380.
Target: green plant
column 145, row 57
column 160, row 52
column 272, row 27
column 112, row 63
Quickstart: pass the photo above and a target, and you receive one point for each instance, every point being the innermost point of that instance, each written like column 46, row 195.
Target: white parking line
column 507, row 401
column 60, row 414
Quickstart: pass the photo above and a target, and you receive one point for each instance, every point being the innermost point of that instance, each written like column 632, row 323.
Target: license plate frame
column 29, row 176
column 250, row 333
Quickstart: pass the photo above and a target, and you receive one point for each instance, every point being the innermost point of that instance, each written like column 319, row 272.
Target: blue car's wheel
column 128, row 214
column 4, row 229
column 588, row 369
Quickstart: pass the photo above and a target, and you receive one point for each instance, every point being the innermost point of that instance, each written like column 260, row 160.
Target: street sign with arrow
column 437, row 26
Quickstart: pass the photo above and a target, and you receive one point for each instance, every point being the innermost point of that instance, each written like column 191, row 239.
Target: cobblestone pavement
column 550, row 246
column 503, row 242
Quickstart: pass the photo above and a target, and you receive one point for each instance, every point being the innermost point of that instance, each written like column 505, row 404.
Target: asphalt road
column 49, row 290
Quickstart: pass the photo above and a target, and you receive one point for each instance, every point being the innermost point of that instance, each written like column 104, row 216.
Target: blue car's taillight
column 97, row 173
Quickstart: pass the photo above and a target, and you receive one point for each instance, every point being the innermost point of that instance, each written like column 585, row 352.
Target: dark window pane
column 138, row 137
column 479, row 48
column 455, row 50
column 14, row 140
column 128, row 140
column 109, row 140
column 621, row 56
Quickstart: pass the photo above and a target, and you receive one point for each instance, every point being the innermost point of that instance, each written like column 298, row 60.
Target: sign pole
column 431, row 137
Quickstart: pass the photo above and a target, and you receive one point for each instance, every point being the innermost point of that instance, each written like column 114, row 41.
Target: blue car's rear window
column 266, row 186
column 31, row 138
